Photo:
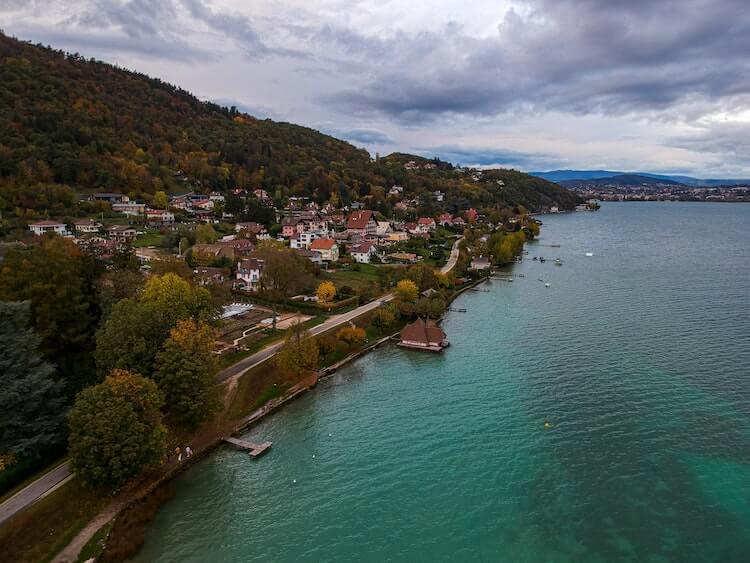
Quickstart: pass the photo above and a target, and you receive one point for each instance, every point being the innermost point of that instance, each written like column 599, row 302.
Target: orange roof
column 322, row 244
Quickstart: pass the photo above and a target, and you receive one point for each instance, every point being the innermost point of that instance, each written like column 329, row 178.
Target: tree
column 177, row 298
column 406, row 290
column 205, row 234
column 32, row 403
column 131, row 337
column 299, row 354
column 284, row 271
column 54, row 277
column 185, row 372
column 352, row 335
column 326, row 292
column 116, row 429
column 384, row 317
column 114, row 286
column 432, row 306
column 161, row 201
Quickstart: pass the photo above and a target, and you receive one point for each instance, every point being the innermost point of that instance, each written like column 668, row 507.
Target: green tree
column 178, row 299
column 32, row 403
column 116, row 429
column 205, row 234
column 185, row 372
column 284, row 271
column 299, row 354
column 114, row 286
column 161, row 201
column 131, row 337
column 54, row 276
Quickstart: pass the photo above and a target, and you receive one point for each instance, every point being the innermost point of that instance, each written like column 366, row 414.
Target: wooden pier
column 253, row 449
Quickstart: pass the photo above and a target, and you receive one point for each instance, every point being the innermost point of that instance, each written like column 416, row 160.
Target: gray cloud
column 365, row 136
column 482, row 156
column 728, row 141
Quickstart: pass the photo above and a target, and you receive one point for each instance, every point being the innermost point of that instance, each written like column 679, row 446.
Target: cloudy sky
column 652, row 85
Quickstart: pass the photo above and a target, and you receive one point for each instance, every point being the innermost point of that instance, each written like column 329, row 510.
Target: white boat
column 547, row 285
column 589, row 254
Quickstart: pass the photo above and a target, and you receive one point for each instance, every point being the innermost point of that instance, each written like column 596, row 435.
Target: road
column 61, row 474
column 36, row 490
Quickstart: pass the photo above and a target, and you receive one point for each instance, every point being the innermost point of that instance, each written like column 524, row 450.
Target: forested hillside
column 70, row 126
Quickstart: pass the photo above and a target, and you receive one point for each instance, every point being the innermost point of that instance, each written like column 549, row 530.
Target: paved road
column 36, row 490
column 451, row 263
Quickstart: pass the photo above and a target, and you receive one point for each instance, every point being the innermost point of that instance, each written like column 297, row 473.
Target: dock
column 253, row 449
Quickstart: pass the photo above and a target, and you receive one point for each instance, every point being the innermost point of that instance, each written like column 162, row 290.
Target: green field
column 367, row 274
column 149, row 238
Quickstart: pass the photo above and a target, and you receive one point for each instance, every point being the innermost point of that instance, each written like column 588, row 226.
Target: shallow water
column 639, row 357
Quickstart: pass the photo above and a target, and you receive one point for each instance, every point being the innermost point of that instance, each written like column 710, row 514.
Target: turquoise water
column 639, row 357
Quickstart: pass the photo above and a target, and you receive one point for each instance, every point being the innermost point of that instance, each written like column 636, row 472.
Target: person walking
column 188, row 451
column 178, row 451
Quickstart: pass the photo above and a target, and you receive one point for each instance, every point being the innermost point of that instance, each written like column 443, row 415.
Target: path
column 35, row 490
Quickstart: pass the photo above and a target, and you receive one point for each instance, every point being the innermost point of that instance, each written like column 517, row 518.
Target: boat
column 547, row 285
column 541, row 259
column 558, row 262
column 589, row 254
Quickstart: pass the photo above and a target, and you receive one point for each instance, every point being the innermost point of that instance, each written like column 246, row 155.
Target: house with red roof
column 363, row 252
column 328, row 249
column 426, row 224
column 362, row 223
column 423, row 335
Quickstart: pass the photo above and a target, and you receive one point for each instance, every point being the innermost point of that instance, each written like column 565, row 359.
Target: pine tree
column 32, row 403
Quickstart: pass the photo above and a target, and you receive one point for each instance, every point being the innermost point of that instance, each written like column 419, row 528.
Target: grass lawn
column 367, row 273
column 149, row 238
column 47, row 526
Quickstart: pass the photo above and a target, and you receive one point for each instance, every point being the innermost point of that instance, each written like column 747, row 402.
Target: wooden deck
column 253, row 449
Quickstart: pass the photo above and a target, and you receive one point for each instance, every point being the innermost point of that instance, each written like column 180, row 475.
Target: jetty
column 253, row 449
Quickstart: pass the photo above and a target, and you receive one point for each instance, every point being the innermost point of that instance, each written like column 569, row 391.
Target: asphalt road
column 36, row 490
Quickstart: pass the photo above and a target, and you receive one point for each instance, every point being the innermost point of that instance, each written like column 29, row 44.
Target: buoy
column 294, row 480
column 329, row 434
column 313, row 456
column 547, row 424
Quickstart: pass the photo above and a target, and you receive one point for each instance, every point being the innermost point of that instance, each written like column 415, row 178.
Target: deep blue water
column 638, row 357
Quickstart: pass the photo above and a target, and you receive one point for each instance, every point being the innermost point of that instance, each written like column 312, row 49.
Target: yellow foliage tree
column 352, row 335
column 299, row 355
column 326, row 292
column 160, row 200
column 406, row 290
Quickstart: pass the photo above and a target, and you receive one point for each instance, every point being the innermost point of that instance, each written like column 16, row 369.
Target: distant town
column 657, row 191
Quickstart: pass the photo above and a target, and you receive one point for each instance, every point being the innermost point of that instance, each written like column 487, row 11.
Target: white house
column 384, row 227
column 162, row 216
column 248, row 274
column 131, row 208
column 47, row 226
column 363, row 252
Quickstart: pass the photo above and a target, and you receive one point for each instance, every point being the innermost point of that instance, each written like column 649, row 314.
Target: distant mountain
column 565, row 175
column 621, row 180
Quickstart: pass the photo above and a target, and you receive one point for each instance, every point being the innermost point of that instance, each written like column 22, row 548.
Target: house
column 363, row 252
column 160, row 216
column 290, row 226
column 384, row 227
column 121, row 233
column 471, row 215
column 426, row 224
column 328, row 249
column 397, row 236
column 248, row 274
column 445, row 220
column 253, row 228
column 362, row 223
column 480, row 263
column 423, row 335
column 396, row 190
column 305, row 239
column 262, row 195
column 207, row 276
column 312, row 256
column 47, row 226
column 405, row 257
column 130, row 208
column 439, row 196
column 458, row 222
column 87, row 226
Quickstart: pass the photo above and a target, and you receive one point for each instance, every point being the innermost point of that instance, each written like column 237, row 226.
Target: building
column 248, row 274
column 207, row 275
column 397, row 236
column 313, row 257
column 471, row 215
column 290, row 226
column 426, row 224
column 421, row 335
column 362, row 223
column 109, row 197
column 132, row 209
column 480, row 263
column 87, row 226
column 305, row 239
column 121, row 233
column 328, row 249
column 363, row 252
column 159, row 216
column 46, row 226
column 445, row 220
column 384, row 227
column 253, row 228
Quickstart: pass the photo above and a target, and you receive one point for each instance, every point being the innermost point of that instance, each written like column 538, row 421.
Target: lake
column 637, row 357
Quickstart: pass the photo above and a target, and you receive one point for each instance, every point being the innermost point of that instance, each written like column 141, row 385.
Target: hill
column 622, row 180
column 580, row 175
column 70, row 126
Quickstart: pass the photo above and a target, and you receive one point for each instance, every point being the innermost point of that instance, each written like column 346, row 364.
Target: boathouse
column 423, row 335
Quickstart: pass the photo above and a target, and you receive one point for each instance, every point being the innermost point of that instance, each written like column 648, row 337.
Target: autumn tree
column 299, row 354
column 161, row 201
column 32, row 403
column 326, row 292
column 177, row 298
column 206, row 234
column 284, row 271
column 406, row 290
column 185, row 372
column 55, row 277
column 384, row 317
column 352, row 335
column 116, row 429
